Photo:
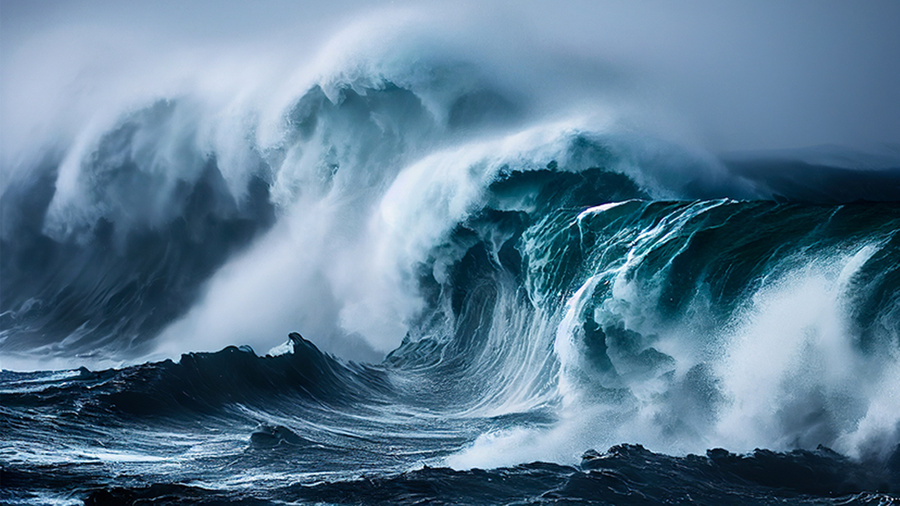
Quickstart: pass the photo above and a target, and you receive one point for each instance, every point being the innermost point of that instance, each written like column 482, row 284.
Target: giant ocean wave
column 493, row 280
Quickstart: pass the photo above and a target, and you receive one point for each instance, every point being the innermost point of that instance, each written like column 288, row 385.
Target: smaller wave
column 202, row 383
column 824, row 175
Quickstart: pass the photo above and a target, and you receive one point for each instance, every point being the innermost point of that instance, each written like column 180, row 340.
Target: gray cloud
column 758, row 75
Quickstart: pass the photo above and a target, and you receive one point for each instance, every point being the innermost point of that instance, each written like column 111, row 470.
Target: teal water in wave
column 510, row 292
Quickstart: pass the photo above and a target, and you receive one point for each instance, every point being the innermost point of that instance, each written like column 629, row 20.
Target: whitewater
column 414, row 256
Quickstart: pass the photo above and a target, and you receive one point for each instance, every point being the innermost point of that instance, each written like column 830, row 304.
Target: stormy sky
column 748, row 75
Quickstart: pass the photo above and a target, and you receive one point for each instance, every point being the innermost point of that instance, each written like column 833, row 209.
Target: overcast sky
column 743, row 75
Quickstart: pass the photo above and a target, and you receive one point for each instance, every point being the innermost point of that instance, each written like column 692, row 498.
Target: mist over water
column 514, row 232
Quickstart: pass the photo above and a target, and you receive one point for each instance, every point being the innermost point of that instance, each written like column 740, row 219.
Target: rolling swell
column 202, row 383
column 625, row 474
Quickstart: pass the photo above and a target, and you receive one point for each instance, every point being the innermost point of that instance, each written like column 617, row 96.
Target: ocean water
column 504, row 296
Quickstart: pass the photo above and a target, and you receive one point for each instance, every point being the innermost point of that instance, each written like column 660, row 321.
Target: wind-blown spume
column 526, row 281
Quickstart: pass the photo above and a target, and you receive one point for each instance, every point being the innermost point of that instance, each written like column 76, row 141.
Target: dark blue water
column 487, row 307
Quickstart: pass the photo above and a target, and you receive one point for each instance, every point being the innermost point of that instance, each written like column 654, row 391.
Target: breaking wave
column 492, row 281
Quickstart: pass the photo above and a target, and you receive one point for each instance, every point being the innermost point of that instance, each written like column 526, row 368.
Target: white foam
column 792, row 373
